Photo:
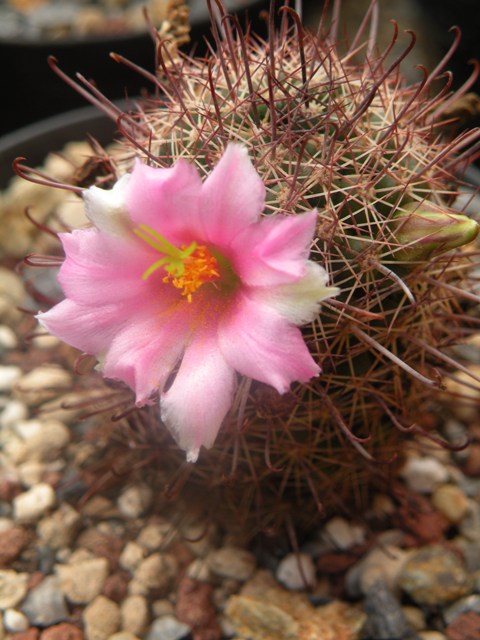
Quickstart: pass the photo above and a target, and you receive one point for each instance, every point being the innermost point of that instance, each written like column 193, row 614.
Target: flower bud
column 421, row 229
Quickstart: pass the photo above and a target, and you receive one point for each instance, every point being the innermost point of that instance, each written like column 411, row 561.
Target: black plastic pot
column 35, row 141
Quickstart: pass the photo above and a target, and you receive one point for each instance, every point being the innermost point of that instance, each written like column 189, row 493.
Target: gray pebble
column 45, row 604
column 296, row 571
column 464, row 605
column 167, row 628
column 386, row 619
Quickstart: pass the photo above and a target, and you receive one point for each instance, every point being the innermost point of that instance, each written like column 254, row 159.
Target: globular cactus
column 379, row 161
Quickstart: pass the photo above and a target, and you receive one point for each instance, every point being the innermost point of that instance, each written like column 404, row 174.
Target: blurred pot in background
column 81, row 36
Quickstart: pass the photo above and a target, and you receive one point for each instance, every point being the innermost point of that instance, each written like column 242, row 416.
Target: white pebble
column 131, row 556
column 8, row 339
column 424, row 475
column 13, row 413
column 296, row 571
column 343, row 534
column 9, row 374
column 34, row 503
column 15, row 621
column 135, row 500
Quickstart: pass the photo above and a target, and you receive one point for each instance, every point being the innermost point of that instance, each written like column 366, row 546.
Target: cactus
column 378, row 160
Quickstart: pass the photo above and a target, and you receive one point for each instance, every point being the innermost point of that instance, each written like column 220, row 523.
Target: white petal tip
column 192, row 455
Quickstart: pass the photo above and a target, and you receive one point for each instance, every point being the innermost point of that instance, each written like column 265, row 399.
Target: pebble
column 415, row 617
column 13, row 413
column 232, row 562
column 42, row 383
column 385, row 616
column 8, row 339
column 9, row 375
column 101, row 618
column 82, row 581
column 423, row 475
column 156, row 536
column 13, row 588
column 12, row 293
column 343, row 534
column 434, row 576
column 431, row 635
column 296, row 571
column 15, row 621
column 198, row 569
column 44, row 439
column 154, row 573
column 62, row 631
column 167, row 628
column 162, row 608
column 382, row 563
column 451, row 502
column 34, row 503
column 58, row 530
column 123, row 635
column 135, row 500
column 463, row 605
column 45, row 604
column 31, row 472
column 134, row 614
column 12, row 542
column 469, row 527
column 131, row 556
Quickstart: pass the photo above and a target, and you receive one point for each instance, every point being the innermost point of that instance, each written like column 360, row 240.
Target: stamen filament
column 158, row 242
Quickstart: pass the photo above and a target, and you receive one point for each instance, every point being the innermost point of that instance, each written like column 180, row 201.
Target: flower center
column 188, row 267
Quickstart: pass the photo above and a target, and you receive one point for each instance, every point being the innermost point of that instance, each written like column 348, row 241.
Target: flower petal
column 82, row 326
column 101, row 268
column 298, row 302
column 256, row 341
column 144, row 352
column 232, row 197
column 275, row 250
column 196, row 404
column 166, row 200
column 105, row 208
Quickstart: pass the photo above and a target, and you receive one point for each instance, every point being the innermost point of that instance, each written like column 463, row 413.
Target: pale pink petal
column 232, row 197
column 84, row 327
column 260, row 344
column 101, row 268
column 145, row 350
column 275, row 250
column 166, row 200
column 298, row 302
column 195, row 406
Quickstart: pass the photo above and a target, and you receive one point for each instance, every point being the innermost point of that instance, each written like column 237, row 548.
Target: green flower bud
column 421, row 229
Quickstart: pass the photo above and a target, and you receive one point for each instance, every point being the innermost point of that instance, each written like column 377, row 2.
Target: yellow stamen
column 187, row 268
column 197, row 269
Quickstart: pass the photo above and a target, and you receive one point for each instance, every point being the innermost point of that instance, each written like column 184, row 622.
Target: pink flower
column 180, row 275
